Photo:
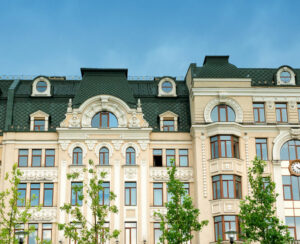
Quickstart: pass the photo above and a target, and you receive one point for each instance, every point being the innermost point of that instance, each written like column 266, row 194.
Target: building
column 213, row 123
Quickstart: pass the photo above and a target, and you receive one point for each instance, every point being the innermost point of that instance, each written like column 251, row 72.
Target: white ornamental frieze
column 161, row 174
column 130, row 173
column 153, row 216
column 39, row 174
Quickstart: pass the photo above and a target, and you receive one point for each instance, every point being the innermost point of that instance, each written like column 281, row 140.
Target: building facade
column 213, row 123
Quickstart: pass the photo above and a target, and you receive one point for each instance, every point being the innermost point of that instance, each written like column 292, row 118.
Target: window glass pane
column 292, row 155
column 34, row 194
column 278, row 116
column 22, row 195
column 218, row 190
column 157, row 197
column 50, row 156
column 227, row 177
column 295, row 187
column 222, row 114
column 23, row 157
column 223, row 152
column 33, row 235
column 228, row 147
column 256, row 115
column 262, row 115
column 96, row 121
column 225, row 189
column 284, row 153
column 133, row 196
column 48, row 195
column 127, row 196
column 214, row 114
column 36, row 157
column 231, row 189
column 284, row 115
column 104, row 120
column 113, row 121
column 231, row 114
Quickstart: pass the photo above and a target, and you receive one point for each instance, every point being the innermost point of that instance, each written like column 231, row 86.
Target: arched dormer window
column 104, row 120
column 222, row 113
column 130, row 156
column 290, row 150
column 77, row 156
column 167, row 87
column 104, row 156
column 41, row 87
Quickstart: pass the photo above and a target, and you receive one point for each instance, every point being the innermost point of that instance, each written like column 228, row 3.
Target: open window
column 157, row 157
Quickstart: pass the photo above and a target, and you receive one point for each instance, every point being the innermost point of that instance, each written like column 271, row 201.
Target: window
column 130, row 156
column 223, row 224
column 281, row 112
column 48, row 194
column 50, row 158
column 21, row 195
column 290, row 150
column 104, row 120
column 291, row 187
column 36, row 158
column 298, row 107
column 76, row 196
column 41, row 86
column 168, row 124
column 224, row 147
column 186, row 188
column 285, row 76
column 293, row 224
column 104, row 156
column 77, row 156
column 47, row 232
column 19, row 227
column 183, row 157
column 266, row 182
column 261, row 148
column 35, row 194
column 34, row 234
column 157, row 157
column 227, row 186
column 167, row 86
column 104, row 194
column 130, row 233
column 157, row 194
column 259, row 112
column 157, row 233
column 170, row 156
column 130, row 193
column 39, row 125
column 222, row 113
column 104, row 231
column 23, row 158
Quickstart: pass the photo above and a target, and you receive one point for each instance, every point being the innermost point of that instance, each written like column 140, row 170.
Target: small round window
column 285, row 76
column 41, row 86
column 167, row 86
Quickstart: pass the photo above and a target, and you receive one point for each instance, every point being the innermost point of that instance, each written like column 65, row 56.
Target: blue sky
column 154, row 37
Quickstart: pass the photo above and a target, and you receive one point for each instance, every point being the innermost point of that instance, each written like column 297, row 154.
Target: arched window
column 77, row 156
column 290, row 150
column 130, row 156
column 222, row 113
column 104, row 120
column 104, row 156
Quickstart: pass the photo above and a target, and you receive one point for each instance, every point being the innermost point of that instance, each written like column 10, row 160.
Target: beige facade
column 133, row 131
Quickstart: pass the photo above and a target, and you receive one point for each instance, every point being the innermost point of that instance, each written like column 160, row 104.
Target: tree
column 258, row 221
column 11, row 215
column 80, row 230
column 181, row 217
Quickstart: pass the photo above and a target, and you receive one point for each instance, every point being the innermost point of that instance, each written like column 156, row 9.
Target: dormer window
column 41, row 87
column 168, row 121
column 285, row 76
column 39, row 121
column 167, row 87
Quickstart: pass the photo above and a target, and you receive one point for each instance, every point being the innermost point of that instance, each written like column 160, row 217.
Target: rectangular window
column 130, row 233
column 23, row 158
column 259, row 112
column 21, row 194
column 103, row 233
column 281, row 112
column 39, row 125
column 34, row 234
column 186, row 188
column 35, row 194
column 168, row 125
column 18, row 228
column 47, row 232
column 77, row 229
column 223, row 224
column 104, row 194
column 36, row 158
column 293, row 224
column 291, row 187
column 130, row 193
column 183, row 157
column 224, row 146
column 76, row 193
column 157, row 194
column 261, row 148
column 157, row 157
column 170, row 155
column 48, row 194
column 227, row 186
column 50, row 158
column 157, row 233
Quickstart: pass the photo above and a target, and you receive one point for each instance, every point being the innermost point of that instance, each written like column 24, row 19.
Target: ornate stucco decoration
column 79, row 169
column 90, row 144
column 39, row 174
column 77, row 144
column 117, row 144
column 106, row 169
column 161, row 174
column 230, row 102
column 74, row 122
column 134, row 121
column 204, row 170
column 64, row 144
column 104, row 144
column 44, row 215
column 130, row 172
column 153, row 217
column 143, row 144
column 130, row 144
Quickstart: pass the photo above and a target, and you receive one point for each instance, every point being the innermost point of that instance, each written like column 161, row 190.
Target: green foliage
column 258, row 213
column 81, row 230
column 10, row 214
column 182, row 217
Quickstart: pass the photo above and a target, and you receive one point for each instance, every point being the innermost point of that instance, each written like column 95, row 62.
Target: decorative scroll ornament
column 64, row 144
column 90, row 144
column 39, row 174
column 117, row 144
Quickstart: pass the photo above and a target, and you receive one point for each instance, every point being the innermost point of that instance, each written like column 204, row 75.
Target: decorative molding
column 153, row 217
column 144, row 163
column 161, row 174
column 285, row 69
column 64, row 144
column 144, row 144
column 106, row 169
column 134, row 122
column 36, row 93
column 130, row 172
column 104, row 144
column 90, row 144
column 246, row 138
column 117, row 144
column 77, row 169
column 232, row 103
column 204, row 170
column 172, row 93
column 74, row 122
column 77, row 144
column 219, row 128
column 39, row 174
column 44, row 215
column 270, row 105
column 292, row 104
column 130, row 144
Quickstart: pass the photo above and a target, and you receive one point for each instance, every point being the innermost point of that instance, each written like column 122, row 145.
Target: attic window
column 41, row 87
column 285, row 76
column 39, row 124
column 167, row 87
column 39, row 121
column 168, row 121
column 168, row 124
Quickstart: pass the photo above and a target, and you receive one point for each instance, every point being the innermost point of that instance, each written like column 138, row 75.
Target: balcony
column 39, row 174
column 160, row 174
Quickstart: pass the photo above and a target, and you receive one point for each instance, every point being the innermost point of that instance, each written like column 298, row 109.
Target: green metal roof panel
column 2, row 114
column 4, row 85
